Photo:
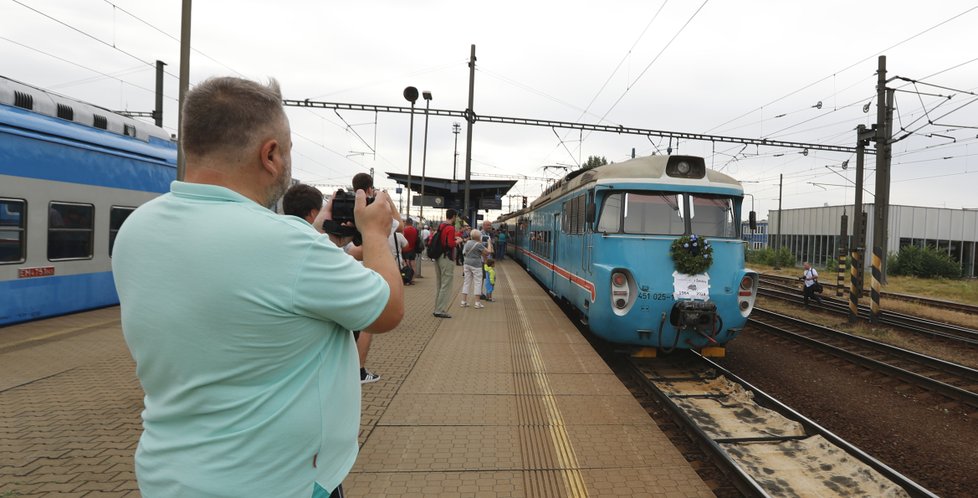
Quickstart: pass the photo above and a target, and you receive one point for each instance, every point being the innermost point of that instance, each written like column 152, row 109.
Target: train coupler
column 697, row 316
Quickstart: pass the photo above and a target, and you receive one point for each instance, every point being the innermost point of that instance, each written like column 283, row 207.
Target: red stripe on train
column 572, row 278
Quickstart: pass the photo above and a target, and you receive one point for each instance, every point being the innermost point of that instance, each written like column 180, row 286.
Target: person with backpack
column 441, row 249
column 811, row 284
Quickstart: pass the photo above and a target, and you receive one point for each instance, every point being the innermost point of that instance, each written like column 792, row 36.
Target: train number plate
column 39, row 271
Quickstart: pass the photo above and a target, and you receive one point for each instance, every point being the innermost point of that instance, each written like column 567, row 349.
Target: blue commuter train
column 70, row 174
column 602, row 239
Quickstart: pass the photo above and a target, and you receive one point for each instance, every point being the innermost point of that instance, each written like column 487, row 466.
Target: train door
column 552, row 250
column 587, row 232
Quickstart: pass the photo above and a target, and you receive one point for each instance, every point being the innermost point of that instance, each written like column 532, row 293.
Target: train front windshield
column 666, row 213
column 712, row 215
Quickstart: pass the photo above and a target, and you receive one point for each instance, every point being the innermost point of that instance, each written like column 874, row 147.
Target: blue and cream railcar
column 601, row 240
column 70, row 174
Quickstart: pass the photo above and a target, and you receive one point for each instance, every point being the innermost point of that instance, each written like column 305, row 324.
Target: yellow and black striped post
column 877, row 284
column 854, row 289
column 841, row 280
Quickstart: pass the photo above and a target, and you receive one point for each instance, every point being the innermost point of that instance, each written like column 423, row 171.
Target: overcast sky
column 741, row 68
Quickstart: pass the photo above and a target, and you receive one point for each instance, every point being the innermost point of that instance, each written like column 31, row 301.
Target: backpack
column 407, row 273
column 435, row 247
column 419, row 242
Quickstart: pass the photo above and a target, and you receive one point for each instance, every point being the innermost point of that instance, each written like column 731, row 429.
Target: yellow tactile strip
column 550, row 444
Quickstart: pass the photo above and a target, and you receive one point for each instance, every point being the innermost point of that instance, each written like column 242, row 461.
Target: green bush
column 768, row 256
column 927, row 262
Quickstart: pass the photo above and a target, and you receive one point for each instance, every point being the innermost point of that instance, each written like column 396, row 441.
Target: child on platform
column 490, row 269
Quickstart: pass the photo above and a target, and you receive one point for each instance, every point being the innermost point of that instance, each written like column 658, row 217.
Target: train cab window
column 610, row 220
column 653, row 213
column 116, row 218
column 70, row 230
column 13, row 231
column 712, row 215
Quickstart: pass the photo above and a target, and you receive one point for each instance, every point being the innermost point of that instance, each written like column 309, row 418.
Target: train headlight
column 622, row 292
column 686, row 167
column 747, row 293
column 619, row 279
column 746, row 283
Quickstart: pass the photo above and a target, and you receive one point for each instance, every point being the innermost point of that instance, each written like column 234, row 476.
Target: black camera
column 343, row 223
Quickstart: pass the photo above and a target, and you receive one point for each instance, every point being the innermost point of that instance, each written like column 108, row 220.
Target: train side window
column 565, row 216
column 610, row 220
column 579, row 222
column 71, row 230
column 13, row 231
column 116, row 218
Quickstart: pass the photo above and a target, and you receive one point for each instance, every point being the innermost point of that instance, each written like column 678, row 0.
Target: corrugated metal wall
column 812, row 233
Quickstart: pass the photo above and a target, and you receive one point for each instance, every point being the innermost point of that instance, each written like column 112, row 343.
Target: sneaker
column 369, row 377
column 479, row 306
column 443, row 315
column 464, row 304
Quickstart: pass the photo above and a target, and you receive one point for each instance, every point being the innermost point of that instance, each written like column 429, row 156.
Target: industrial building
column 813, row 234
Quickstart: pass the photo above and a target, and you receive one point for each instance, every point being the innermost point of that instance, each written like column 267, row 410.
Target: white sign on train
column 694, row 287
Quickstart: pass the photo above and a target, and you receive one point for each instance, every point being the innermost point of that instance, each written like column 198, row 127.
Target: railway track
column 956, row 382
column 764, row 447
column 953, row 333
column 934, row 303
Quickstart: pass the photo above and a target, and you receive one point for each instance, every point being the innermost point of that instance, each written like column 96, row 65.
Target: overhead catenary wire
column 168, row 35
column 654, row 59
column 62, row 59
column 850, row 66
column 89, row 35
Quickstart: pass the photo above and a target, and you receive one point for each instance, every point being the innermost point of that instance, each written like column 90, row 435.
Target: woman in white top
column 472, row 253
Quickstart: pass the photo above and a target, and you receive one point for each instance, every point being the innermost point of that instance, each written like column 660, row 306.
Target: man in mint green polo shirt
column 239, row 319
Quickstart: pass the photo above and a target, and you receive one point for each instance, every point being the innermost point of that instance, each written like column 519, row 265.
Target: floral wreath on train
column 691, row 254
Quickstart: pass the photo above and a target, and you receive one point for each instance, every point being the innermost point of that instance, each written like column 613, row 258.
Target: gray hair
column 223, row 114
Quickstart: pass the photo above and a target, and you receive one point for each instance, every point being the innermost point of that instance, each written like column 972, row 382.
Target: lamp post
column 424, row 155
column 411, row 94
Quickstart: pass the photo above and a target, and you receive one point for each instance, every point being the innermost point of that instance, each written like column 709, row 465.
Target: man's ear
column 270, row 155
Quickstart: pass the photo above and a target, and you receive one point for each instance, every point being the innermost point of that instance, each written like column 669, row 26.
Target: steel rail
column 950, row 391
column 928, row 301
column 750, row 486
column 906, row 322
column 741, row 480
column 908, row 485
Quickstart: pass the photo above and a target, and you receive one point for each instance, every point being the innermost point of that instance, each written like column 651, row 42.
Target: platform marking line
column 59, row 333
column 558, row 434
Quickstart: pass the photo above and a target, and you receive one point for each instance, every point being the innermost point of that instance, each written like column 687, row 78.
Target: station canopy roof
column 446, row 193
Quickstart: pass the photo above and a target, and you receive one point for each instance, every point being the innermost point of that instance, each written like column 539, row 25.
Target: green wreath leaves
column 691, row 254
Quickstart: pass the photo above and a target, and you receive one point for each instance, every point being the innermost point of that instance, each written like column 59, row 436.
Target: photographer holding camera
column 242, row 337
column 341, row 225
column 811, row 284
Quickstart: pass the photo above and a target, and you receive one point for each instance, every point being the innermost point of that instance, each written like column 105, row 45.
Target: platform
column 509, row 400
